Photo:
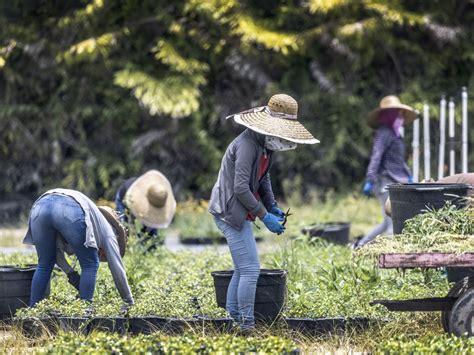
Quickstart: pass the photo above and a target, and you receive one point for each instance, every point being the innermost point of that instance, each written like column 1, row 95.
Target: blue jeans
column 240, row 301
column 386, row 226
column 59, row 214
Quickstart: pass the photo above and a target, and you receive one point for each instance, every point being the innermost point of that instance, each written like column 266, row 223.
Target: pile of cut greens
column 446, row 230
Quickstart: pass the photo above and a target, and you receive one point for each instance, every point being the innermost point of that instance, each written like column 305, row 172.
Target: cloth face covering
column 278, row 144
column 391, row 118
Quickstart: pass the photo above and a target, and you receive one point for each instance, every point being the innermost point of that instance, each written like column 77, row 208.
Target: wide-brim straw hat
column 150, row 199
column 279, row 119
column 390, row 102
column 119, row 229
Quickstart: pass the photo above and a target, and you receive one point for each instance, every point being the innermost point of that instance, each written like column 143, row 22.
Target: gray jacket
column 233, row 195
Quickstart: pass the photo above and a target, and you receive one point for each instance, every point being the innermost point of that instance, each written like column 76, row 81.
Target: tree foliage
column 94, row 91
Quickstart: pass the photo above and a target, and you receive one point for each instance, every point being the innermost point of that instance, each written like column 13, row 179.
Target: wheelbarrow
column 457, row 308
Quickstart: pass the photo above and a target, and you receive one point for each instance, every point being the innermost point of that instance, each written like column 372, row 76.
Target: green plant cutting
column 446, row 230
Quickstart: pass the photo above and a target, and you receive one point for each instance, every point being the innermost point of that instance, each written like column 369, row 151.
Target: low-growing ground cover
column 102, row 343
column 324, row 281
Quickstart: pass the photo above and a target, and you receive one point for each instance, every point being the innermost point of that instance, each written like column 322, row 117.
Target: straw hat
column 279, row 118
column 408, row 113
column 150, row 199
column 120, row 231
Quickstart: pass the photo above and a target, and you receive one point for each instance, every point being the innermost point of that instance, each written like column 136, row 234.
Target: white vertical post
column 442, row 136
column 416, row 150
column 452, row 156
column 426, row 141
column 464, row 131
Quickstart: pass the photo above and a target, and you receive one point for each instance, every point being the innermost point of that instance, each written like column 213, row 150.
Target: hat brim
column 408, row 113
column 289, row 129
column 137, row 202
column 118, row 228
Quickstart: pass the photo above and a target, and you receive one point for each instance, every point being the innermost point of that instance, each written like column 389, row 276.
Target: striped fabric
column 388, row 157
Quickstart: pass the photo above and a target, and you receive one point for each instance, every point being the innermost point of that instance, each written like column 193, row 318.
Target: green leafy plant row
column 102, row 343
column 439, row 344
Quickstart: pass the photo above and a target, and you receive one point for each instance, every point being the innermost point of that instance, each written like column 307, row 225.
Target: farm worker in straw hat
column 243, row 191
column 63, row 220
column 148, row 198
column 387, row 162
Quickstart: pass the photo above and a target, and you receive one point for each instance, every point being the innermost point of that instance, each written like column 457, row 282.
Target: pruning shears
column 285, row 218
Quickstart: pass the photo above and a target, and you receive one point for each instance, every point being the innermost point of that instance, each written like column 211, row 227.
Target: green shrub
column 101, row 343
column 439, row 344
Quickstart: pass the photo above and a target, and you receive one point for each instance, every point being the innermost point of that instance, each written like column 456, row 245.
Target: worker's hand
column 368, row 188
column 410, row 179
column 273, row 224
column 74, row 279
column 276, row 211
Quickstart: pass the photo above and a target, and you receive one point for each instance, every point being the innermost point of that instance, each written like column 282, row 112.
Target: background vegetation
column 95, row 91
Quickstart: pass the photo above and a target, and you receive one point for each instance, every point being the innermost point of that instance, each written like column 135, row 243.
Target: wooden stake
column 426, row 141
column 464, row 151
column 416, row 150
column 452, row 155
column 442, row 136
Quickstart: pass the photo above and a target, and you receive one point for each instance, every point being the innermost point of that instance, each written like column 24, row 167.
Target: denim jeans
column 240, row 301
column 386, row 226
column 58, row 214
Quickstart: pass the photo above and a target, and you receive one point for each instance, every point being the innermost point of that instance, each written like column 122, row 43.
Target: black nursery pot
column 327, row 326
column 73, row 324
column 456, row 274
column 409, row 200
column 219, row 324
column 332, row 232
column 117, row 325
column 147, row 325
column 207, row 240
column 36, row 327
column 15, row 289
column 178, row 325
column 270, row 295
column 202, row 240
column 317, row 326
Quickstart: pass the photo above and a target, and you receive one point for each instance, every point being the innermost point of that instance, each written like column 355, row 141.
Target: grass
column 324, row 280
column 12, row 237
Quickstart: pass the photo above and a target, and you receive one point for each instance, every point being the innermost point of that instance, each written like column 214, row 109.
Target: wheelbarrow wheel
column 462, row 315
column 457, row 290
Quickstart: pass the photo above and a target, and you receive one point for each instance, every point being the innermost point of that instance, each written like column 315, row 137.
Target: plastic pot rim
column 428, row 186
column 263, row 272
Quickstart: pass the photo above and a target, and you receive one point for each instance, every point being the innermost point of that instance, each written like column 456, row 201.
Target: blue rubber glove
column 277, row 211
column 273, row 224
column 410, row 179
column 368, row 187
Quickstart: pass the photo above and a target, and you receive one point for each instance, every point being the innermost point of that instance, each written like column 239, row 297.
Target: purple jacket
column 388, row 157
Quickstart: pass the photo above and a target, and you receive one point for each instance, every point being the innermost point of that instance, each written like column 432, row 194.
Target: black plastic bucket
column 15, row 289
column 333, row 232
column 456, row 274
column 270, row 295
column 73, row 324
column 409, row 200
